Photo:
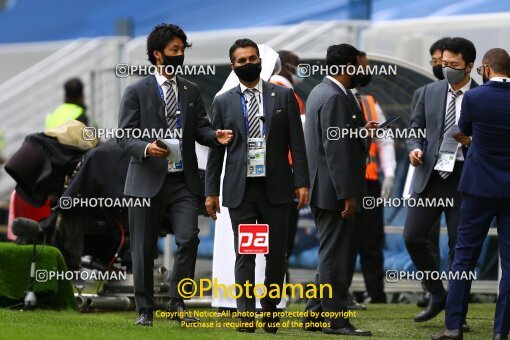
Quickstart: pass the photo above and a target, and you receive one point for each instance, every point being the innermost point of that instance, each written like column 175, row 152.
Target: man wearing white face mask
column 438, row 166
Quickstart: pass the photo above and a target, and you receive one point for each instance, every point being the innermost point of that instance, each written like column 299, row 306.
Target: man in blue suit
column 485, row 188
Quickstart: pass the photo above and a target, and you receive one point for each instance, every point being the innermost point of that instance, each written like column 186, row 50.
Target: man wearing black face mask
column 371, row 221
column 259, row 183
column 171, row 106
column 337, row 177
column 438, row 172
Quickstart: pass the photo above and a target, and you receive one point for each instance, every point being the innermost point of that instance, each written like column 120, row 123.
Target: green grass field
column 385, row 321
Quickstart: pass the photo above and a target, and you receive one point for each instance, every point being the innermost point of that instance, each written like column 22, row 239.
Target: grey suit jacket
column 284, row 132
column 142, row 107
column 416, row 96
column 429, row 114
column 337, row 167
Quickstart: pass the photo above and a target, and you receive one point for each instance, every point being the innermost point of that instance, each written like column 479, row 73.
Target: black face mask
column 438, row 71
column 173, row 62
column 364, row 80
column 354, row 81
column 248, row 72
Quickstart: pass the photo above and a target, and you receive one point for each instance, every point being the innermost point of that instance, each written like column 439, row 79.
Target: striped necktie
column 171, row 106
column 449, row 121
column 253, row 112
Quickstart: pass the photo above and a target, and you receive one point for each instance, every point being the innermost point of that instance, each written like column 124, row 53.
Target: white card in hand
column 174, row 149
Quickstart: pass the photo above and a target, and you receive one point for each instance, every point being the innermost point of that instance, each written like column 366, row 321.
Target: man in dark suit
column 485, row 187
column 437, row 110
column 436, row 55
column 266, row 124
column 164, row 103
column 337, row 178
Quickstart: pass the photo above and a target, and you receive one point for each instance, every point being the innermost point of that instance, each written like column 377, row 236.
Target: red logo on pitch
column 253, row 239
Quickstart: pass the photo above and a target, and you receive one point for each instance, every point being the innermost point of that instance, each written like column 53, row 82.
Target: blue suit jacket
column 485, row 115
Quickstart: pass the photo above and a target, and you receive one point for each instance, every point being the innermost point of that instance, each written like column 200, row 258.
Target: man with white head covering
column 259, row 183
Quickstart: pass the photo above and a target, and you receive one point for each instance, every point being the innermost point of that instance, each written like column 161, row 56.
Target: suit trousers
column 476, row 216
column 420, row 221
column 175, row 198
column 371, row 222
column 256, row 208
column 339, row 243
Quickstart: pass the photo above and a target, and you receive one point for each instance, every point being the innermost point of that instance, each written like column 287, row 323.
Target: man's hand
column 350, row 207
column 154, row 150
column 371, row 127
column 387, row 187
column 415, row 157
column 212, row 205
column 224, row 136
column 462, row 138
column 302, row 196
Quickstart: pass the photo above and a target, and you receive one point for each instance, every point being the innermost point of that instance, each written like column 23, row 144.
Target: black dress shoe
column 349, row 330
column 311, row 324
column 448, row 334
column 247, row 325
column 270, row 320
column 435, row 307
column 424, row 301
column 182, row 312
column 356, row 306
column 144, row 319
column 500, row 336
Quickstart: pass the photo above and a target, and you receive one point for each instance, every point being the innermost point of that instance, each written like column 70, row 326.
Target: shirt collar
column 338, row 83
column 500, row 79
column 464, row 88
column 161, row 79
column 258, row 87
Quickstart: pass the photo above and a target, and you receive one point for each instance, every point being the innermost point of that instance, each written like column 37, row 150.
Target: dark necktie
column 253, row 112
column 171, row 106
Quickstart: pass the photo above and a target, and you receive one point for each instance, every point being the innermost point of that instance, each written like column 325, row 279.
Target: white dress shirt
column 258, row 97
column 161, row 80
column 338, row 83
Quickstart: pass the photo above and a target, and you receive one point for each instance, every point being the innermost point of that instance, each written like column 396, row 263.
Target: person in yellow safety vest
column 72, row 108
column 371, row 221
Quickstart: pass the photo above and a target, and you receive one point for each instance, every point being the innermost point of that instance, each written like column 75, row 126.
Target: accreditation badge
column 445, row 162
column 256, row 157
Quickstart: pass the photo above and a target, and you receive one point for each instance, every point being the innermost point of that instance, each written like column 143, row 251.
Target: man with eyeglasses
column 437, row 172
column 485, row 187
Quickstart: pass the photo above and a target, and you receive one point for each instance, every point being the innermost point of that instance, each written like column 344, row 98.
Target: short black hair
column 438, row 45
column 160, row 36
column 498, row 59
column 461, row 46
column 342, row 55
column 241, row 43
column 73, row 89
column 287, row 56
column 362, row 54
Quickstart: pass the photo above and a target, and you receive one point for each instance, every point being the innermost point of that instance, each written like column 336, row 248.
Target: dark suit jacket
column 429, row 114
column 485, row 116
column 337, row 167
column 142, row 107
column 283, row 132
column 416, row 96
